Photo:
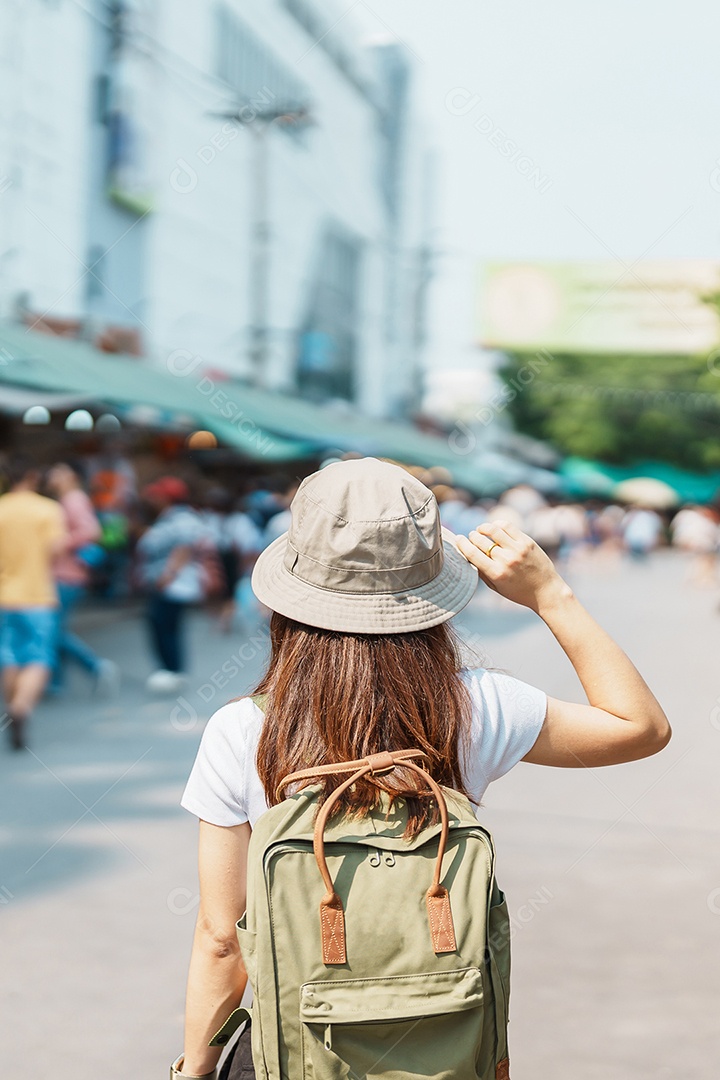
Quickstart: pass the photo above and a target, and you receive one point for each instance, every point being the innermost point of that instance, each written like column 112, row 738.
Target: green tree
column 619, row 409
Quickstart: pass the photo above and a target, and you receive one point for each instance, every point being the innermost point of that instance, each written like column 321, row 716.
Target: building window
column 94, row 283
column 327, row 343
column 102, row 99
column 253, row 72
column 306, row 14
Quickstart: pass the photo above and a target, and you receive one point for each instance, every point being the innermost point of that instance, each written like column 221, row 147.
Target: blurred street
column 612, row 875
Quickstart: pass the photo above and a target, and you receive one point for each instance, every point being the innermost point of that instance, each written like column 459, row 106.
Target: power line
column 695, row 398
column 93, row 14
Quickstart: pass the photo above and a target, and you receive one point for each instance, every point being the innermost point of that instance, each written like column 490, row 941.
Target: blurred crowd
column 567, row 530
column 68, row 532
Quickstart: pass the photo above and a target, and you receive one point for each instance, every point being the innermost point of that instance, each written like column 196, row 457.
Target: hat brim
column 362, row 613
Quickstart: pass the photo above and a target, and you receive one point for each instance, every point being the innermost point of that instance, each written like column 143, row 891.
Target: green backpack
column 370, row 955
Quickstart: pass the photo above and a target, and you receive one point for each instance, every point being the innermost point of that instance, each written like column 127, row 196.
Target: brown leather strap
column 437, row 897
column 332, row 915
column 379, row 764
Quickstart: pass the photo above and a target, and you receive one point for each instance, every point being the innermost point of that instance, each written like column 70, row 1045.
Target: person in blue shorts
column 32, row 535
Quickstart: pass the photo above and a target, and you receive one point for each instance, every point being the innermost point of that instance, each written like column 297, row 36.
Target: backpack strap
column 332, row 914
column 233, row 1022
column 376, row 764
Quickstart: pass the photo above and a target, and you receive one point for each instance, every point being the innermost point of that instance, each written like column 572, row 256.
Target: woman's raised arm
column 623, row 720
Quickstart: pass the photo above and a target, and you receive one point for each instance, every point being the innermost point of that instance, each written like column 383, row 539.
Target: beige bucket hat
column 365, row 554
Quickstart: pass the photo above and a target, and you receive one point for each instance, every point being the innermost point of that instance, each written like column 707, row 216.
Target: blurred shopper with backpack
column 32, row 536
column 368, row 951
column 73, row 570
column 238, row 542
column 171, row 572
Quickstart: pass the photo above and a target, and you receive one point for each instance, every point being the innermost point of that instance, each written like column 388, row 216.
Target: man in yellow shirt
column 32, row 534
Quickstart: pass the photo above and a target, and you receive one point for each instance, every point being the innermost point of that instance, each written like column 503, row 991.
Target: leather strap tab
column 442, row 930
column 332, row 929
column 381, row 763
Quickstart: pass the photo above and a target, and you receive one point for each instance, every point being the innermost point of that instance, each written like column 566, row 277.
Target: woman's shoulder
column 499, row 696
column 220, row 786
column 236, row 720
column 483, row 680
column 507, row 715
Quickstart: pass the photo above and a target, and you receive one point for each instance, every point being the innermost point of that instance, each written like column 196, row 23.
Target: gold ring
column 490, row 549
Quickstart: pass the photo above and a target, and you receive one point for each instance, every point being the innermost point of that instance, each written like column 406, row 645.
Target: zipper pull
column 328, row 1037
column 375, row 858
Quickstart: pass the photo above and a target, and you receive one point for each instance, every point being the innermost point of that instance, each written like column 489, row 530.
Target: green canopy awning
column 265, row 425
column 587, row 478
column 64, row 365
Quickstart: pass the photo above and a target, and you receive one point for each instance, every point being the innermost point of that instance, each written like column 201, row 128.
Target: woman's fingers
column 509, row 561
column 513, row 531
column 499, row 531
column 482, row 542
column 478, row 558
column 473, row 552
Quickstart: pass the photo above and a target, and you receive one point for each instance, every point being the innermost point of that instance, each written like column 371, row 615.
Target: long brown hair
column 334, row 697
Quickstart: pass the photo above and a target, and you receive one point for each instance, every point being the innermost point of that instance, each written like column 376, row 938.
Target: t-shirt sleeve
column 507, row 717
column 215, row 790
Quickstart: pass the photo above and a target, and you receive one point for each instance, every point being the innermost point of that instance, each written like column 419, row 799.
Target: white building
column 44, row 101
column 242, row 182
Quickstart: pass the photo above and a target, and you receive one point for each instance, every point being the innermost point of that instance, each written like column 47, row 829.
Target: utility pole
column 260, row 125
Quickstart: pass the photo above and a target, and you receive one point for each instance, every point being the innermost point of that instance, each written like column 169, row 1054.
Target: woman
column 362, row 587
column 72, row 572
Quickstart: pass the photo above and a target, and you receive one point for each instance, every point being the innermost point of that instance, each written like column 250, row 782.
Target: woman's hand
column 512, row 564
column 623, row 721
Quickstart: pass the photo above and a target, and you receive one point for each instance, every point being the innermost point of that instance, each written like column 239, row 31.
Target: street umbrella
column 648, row 492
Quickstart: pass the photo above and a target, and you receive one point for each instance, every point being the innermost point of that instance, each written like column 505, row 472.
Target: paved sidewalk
column 612, row 876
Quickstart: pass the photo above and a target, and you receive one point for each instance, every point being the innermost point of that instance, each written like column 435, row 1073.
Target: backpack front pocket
column 426, row 1026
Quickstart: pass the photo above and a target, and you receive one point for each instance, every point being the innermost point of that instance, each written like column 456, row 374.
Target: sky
column 564, row 130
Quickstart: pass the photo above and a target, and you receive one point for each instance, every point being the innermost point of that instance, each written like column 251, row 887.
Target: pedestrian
column 32, row 536
column 170, row 554
column 642, row 531
column 363, row 661
column 112, row 488
column 72, row 576
column 238, row 541
column 694, row 530
column 279, row 523
column 247, row 541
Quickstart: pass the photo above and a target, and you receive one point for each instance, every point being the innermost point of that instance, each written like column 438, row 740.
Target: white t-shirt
column 224, row 787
